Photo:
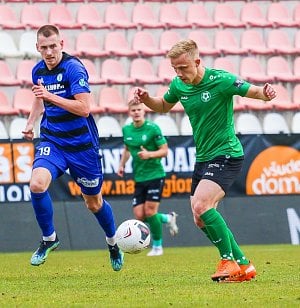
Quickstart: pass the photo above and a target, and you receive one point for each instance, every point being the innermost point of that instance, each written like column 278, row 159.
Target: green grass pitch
column 179, row 278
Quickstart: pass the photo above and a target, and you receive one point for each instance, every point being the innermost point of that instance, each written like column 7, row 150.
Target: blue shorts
column 85, row 166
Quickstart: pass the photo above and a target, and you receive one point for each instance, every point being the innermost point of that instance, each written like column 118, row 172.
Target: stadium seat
column 253, row 41
column 6, row 108
column 145, row 45
column 17, row 125
column 89, row 17
column 94, row 107
column 297, row 39
column 283, row 100
column 165, row 71
column 227, row 43
column 198, row 16
column 204, row 42
column 225, row 63
column 225, row 16
column 61, row 16
column 9, row 19
column 113, row 72
column 248, row 123
column 252, row 15
column 23, row 100
column 167, row 125
column 116, row 45
column 68, row 44
column 24, row 69
column 7, row 77
column 115, row 16
column 185, row 126
column 279, row 15
column 109, row 126
column 27, row 45
column 89, row 45
column 94, row 76
column 167, row 39
column 9, row 49
column 3, row 131
column 296, row 95
column 251, row 104
column 144, row 17
column 279, row 41
column 32, row 16
column 112, row 101
column 275, row 123
column 253, row 70
column 296, row 13
column 172, row 17
column 295, row 126
column 142, row 72
column 279, row 69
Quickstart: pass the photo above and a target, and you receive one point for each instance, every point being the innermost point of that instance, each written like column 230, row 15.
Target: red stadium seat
column 252, row 16
column 198, row 16
column 145, row 44
column 24, row 69
column 89, row 17
column 143, row 72
column 225, row 16
column 94, row 76
column 280, row 70
column 279, row 15
column 6, row 108
column 116, row 44
column 115, row 16
column 204, row 42
column 225, row 63
column 7, row 77
column 172, row 17
column 165, row 71
column 112, row 101
column 9, row 18
column 61, row 16
column 279, row 41
column 167, row 39
column 23, row 100
column 32, row 16
column 283, row 100
column 89, row 45
column 252, row 70
column 144, row 17
column 252, row 40
column 113, row 72
column 227, row 43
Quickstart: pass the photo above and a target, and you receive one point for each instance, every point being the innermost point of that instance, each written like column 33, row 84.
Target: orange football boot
column 226, row 269
column 247, row 273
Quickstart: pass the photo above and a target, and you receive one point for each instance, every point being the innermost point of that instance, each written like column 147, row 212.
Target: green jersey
column 150, row 137
column 209, row 106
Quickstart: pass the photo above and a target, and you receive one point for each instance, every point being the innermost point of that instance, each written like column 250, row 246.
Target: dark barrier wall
column 254, row 220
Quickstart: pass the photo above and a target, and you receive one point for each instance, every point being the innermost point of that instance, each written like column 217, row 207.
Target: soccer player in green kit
column 145, row 143
column 206, row 95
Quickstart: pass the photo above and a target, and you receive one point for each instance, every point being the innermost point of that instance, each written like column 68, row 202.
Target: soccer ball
column 133, row 236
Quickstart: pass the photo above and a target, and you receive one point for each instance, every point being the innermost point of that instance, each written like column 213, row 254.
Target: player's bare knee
column 37, row 186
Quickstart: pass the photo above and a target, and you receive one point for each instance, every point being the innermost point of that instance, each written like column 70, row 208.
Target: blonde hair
column 184, row 46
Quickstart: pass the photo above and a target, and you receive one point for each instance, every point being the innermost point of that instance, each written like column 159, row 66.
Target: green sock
column 155, row 226
column 163, row 218
column 218, row 232
column 236, row 250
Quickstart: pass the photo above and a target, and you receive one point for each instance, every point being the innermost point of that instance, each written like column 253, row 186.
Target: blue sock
column 43, row 209
column 106, row 219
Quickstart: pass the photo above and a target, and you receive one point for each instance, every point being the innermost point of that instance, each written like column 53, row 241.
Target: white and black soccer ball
column 133, row 236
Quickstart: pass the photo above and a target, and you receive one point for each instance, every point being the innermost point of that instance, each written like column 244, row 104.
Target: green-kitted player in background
column 144, row 141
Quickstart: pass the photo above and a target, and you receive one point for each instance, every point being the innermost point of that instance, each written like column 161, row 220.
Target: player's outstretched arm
column 157, row 104
column 265, row 93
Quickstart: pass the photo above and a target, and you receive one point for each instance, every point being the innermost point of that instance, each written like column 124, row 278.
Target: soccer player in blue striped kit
column 69, row 140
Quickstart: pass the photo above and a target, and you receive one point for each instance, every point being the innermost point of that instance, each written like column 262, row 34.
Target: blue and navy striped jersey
column 66, row 130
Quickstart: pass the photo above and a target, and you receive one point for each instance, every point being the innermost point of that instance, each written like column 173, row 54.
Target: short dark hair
column 47, row 30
